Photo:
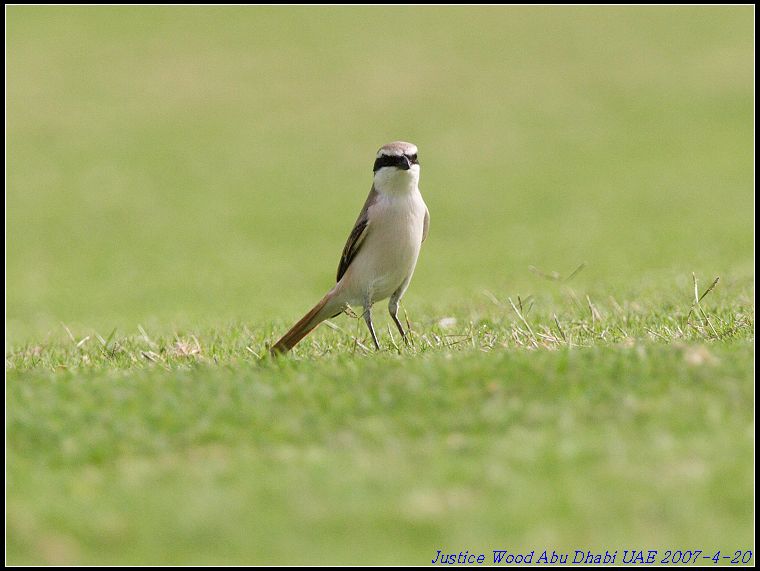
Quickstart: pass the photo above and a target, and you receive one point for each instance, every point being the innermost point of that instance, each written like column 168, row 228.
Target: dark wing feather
column 355, row 239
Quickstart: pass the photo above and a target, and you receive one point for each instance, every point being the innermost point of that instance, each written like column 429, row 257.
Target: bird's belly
column 388, row 256
column 390, row 265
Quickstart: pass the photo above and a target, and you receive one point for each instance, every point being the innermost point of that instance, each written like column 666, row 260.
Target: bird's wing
column 356, row 238
column 426, row 224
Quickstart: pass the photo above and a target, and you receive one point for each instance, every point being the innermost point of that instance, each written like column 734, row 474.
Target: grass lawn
column 179, row 185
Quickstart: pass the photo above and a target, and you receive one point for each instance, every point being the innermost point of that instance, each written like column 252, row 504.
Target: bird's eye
column 394, row 161
column 386, row 161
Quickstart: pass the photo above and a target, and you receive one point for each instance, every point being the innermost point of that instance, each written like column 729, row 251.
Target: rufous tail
column 305, row 325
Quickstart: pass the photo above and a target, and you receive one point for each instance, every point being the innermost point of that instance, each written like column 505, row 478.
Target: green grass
column 180, row 183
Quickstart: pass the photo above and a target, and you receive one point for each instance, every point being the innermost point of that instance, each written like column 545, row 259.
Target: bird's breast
column 390, row 250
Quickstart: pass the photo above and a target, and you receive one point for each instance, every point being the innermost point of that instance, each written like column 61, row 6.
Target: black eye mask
column 398, row 161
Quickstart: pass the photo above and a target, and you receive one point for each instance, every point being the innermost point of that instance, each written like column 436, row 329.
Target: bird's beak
column 406, row 165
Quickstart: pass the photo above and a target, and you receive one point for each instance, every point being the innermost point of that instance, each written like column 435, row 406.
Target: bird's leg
column 393, row 309
column 368, row 319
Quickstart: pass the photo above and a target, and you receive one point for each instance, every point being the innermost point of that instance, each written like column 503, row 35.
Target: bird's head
column 396, row 167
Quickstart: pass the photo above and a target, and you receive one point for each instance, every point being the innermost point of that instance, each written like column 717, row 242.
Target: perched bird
column 381, row 252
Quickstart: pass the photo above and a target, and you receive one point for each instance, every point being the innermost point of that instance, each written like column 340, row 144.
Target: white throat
column 393, row 181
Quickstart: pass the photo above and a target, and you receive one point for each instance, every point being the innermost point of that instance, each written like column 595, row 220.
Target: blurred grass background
column 184, row 169
column 189, row 165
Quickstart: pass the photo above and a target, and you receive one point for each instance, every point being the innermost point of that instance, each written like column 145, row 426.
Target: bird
column 381, row 252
